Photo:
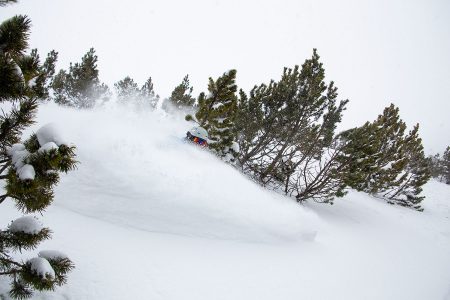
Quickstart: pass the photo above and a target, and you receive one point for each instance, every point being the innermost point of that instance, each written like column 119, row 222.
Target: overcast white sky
column 377, row 52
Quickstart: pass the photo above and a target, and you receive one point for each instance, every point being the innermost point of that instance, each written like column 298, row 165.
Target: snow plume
column 135, row 163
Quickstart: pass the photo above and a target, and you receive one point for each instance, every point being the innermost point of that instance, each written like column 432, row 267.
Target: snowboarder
column 198, row 135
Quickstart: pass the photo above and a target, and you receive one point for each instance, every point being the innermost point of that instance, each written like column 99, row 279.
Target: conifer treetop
column 181, row 96
column 217, row 112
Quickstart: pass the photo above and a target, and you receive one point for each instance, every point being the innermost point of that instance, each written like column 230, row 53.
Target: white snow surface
column 42, row 267
column 26, row 224
column 146, row 216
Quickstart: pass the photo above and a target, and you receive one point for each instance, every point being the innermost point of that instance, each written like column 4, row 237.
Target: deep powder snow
column 146, row 216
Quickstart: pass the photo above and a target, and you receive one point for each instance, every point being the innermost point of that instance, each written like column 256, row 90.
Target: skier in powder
column 198, row 135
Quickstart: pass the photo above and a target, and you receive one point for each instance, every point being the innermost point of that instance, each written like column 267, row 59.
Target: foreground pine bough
column 33, row 172
column 30, row 169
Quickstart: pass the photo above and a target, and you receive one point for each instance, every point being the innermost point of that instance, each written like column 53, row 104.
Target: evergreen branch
column 14, row 35
column 5, row 166
column 9, row 261
column 19, row 118
column 13, row 271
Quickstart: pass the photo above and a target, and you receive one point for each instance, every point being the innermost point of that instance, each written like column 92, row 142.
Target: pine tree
column 414, row 175
column 80, row 87
column 251, row 123
column 289, row 141
column 29, row 170
column 358, row 156
column 391, row 159
column 147, row 95
column 446, row 165
column 435, row 165
column 377, row 153
column 439, row 166
column 380, row 159
column 127, row 89
column 46, row 72
column 181, row 96
column 217, row 112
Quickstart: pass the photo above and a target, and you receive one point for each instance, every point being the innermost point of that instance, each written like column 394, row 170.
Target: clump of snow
column 41, row 267
column 235, row 147
column 32, row 82
column 49, row 133
column 228, row 157
column 16, row 147
column 52, row 254
column 18, row 157
column 26, row 172
column 48, row 147
column 18, row 71
column 217, row 105
column 26, row 224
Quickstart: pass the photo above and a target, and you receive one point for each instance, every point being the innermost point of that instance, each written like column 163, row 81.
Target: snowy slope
column 136, row 171
column 146, row 216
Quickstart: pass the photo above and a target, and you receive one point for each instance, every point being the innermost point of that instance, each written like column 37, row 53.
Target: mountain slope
column 147, row 216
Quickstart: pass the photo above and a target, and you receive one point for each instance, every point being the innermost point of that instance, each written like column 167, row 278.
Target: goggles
column 196, row 140
column 199, row 141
